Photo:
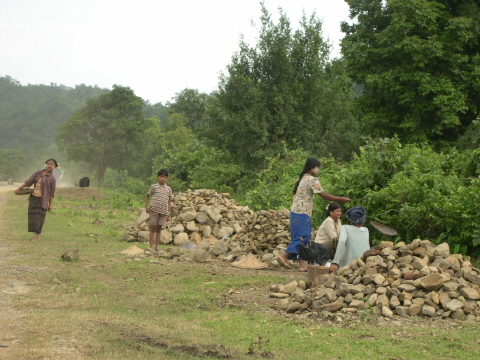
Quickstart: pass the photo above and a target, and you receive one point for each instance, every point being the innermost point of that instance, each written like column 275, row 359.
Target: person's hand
column 147, row 209
column 49, row 208
column 344, row 199
column 16, row 191
column 333, row 267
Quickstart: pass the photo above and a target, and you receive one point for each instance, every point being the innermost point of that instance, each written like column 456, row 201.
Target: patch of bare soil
column 11, row 286
column 79, row 193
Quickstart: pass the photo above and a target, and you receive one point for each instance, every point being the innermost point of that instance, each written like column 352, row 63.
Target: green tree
column 418, row 62
column 106, row 132
column 12, row 162
column 192, row 104
column 276, row 94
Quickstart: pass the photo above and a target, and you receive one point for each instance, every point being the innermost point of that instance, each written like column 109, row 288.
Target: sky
column 155, row 47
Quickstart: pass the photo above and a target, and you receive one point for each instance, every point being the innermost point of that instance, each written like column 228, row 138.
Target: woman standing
column 329, row 231
column 301, row 210
column 40, row 201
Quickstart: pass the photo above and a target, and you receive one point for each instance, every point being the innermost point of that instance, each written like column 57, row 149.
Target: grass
column 102, row 307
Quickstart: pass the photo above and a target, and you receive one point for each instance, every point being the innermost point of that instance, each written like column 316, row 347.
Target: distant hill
column 31, row 114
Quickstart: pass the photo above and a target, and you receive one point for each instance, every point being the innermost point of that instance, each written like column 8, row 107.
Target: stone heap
column 204, row 217
column 419, row 278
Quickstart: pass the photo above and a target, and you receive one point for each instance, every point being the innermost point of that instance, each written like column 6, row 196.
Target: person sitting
column 329, row 231
column 353, row 240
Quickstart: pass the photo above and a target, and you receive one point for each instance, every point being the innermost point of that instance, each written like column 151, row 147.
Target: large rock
column 70, row 255
column 200, row 255
column 180, row 239
column 188, row 215
column 166, row 237
column 432, row 282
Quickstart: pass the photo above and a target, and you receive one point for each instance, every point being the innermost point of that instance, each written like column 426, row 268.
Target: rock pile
column 419, row 278
column 215, row 223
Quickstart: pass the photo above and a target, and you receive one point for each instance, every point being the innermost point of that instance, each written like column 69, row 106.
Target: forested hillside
column 30, row 114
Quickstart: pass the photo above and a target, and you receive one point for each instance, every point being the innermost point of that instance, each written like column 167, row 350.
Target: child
column 305, row 188
column 353, row 240
column 159, row 208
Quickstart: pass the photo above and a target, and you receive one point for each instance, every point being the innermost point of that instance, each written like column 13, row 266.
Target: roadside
column 11, row 286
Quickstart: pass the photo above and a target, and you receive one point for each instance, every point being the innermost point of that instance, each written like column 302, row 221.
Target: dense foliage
column 419, row 64
column 107, row 132
column 282, row 93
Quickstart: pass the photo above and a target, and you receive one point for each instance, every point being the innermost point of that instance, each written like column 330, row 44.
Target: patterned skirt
column 36, row 214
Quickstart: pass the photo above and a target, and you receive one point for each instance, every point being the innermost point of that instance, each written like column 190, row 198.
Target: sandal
column 283, row 263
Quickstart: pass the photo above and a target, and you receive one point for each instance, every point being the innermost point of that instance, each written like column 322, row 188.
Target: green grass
column 172, row 310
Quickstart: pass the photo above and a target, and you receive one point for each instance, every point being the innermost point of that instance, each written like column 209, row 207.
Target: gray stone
column 450, row 286
column 180, row 239
column 224, row 231
column 454, row 305
column 442, row 250
column 401, row 311
column 428, row 310
column 201, row 218
column 332, row 307
column 458, row 315
column 70, row 255
column 386, row 311
column 201, row 255
column 414, row 309
column 188, row 215
column 470, row 293
column 219, row 248
column 177, row 229
column 431, row 282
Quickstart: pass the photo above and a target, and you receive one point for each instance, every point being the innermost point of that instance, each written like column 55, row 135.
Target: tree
column 106, row 132
column 12, row 162
column 192, row 105
column 418, row 62
column 276, row 94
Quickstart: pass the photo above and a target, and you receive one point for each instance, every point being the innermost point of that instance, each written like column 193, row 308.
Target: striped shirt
column 159, row 198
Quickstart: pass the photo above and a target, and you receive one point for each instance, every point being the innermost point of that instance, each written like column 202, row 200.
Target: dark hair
column 162, row 172
column 309, row 165
column 332, row 207
column 54, row 161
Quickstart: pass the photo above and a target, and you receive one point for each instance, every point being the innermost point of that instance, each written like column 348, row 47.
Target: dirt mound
column 79, row 193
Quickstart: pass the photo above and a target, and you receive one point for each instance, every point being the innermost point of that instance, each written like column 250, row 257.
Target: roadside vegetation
column 102, row 307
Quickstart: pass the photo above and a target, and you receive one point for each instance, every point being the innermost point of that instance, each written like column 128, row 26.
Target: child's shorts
column 157, row 219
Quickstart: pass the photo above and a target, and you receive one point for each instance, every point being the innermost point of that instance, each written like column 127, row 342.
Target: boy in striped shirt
column 159, row 208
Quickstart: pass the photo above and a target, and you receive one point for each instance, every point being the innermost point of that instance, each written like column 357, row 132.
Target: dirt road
column 11, row 286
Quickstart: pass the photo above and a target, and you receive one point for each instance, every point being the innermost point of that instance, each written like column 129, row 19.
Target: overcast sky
column 155, row 47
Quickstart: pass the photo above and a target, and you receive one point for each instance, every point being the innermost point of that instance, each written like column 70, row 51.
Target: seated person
column 329, row 231
column 353, row 240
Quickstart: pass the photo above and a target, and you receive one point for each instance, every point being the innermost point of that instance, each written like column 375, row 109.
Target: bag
column 331, row 246
column 313, row 253
column 24, row 191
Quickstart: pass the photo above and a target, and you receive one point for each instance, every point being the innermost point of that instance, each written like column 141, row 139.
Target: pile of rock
column 218, row 224
column 392, row 280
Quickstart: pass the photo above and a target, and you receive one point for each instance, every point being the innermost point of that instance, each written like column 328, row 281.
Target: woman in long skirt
column 40, row 201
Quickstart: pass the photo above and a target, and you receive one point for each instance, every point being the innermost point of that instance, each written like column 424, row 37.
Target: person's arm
column 50, row 203
column 169, row 207
column 147, row 208
column 342, row 240
column 329, row 197
column 21, row 187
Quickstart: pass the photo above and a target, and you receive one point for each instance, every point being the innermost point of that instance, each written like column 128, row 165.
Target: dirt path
column 11, row 286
